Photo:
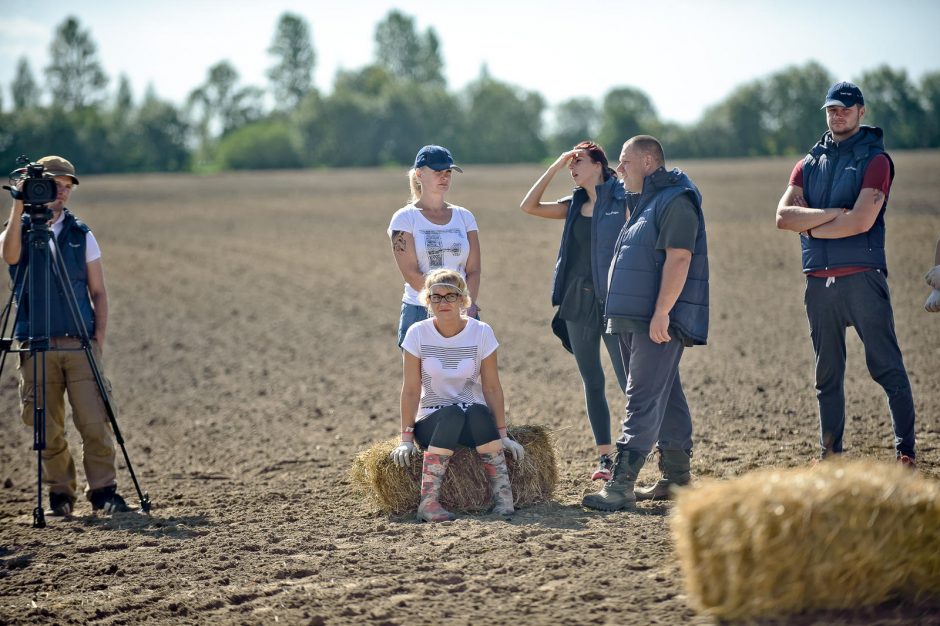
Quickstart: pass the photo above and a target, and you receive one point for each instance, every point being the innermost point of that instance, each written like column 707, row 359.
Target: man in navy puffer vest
column 67, row 370
column 657, row 304
column 836, row 201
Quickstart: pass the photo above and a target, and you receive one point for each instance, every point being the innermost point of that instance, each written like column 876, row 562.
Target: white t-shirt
column 450, row 366
column 437, row 246
column 92, row 251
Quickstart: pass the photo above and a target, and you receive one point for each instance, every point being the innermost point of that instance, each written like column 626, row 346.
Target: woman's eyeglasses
column 447, row 297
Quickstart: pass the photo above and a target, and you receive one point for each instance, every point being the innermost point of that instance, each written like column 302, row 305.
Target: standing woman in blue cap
column 429, row 233
column 594, row 214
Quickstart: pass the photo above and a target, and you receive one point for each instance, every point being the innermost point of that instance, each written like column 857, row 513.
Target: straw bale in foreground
column 837, row 536
column 465, row 488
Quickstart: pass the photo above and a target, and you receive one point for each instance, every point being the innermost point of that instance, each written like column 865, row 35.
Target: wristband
column 408, row 434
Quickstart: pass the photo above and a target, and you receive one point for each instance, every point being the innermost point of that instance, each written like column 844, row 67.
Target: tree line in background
column 380, row 114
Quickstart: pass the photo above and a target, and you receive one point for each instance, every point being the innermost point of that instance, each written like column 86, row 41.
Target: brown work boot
column 617, row 493
column 432, row 474
column 498, row 475
column 676, row 468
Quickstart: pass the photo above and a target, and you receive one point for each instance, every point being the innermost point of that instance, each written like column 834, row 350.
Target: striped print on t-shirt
column 450, row 366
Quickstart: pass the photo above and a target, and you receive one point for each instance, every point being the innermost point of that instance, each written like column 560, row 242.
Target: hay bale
column 465, row 488
column 838, row 536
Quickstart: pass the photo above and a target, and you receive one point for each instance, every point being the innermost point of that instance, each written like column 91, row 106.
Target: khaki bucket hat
column 57, row 166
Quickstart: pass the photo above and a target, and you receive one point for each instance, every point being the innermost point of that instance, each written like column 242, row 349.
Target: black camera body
column 38, row 187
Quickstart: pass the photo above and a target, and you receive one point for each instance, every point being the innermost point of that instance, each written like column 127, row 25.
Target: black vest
column 636, row 270
column 832, row 177
column 71, row 244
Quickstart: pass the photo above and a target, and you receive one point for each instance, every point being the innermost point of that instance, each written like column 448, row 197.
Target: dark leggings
column 451, row 425
column 586, row 345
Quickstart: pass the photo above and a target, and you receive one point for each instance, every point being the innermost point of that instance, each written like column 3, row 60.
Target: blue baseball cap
column 437, row 158
column 844, row 94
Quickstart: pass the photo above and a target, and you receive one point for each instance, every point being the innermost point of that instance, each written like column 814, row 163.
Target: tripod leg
column 112, row 417
column 39, row 432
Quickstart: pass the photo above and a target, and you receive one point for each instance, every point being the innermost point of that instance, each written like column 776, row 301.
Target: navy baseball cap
column 844, row 94
column 437, row 158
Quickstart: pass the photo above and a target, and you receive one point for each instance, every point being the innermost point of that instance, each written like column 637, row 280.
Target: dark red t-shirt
column 877, row 176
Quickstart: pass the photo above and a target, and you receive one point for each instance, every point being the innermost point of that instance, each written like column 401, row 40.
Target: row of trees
column 380, row 114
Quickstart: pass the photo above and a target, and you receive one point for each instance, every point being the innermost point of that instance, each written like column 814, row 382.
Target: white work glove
column 933, row 277
column 513, row 447
column 401, row 456
column 933, row 301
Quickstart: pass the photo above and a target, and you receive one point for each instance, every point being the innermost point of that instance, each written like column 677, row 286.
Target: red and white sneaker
column 907, row 462
column 605, row 468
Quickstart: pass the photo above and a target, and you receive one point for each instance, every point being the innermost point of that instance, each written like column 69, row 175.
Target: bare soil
column 252, row 351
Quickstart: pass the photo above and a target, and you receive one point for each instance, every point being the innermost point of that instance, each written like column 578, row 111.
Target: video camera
column 39, row 187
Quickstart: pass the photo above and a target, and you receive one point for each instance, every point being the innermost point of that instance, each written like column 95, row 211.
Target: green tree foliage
column 405, row 53
column 382, row 113
column 266, row 144
column 576, row 119
column 503, row 124
column 793, row 121
column 219, row 106
column 416, row 115
column 930, row 100
column 735, row 127
column 123, row 99
column 155, row 139
column 24, row 89
column 893, row 103
column 75, row 76
column 626, row 112
column 352, row 118
column 307, row 121
column 292, row 74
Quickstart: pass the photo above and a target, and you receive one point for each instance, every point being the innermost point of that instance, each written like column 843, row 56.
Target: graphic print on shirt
column 437, row 247
column 450, row 366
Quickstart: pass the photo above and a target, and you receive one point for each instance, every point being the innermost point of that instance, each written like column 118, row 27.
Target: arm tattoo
column 879, row 197
column 398, row 241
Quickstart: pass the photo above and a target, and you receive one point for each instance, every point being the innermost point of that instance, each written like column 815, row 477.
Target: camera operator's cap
column 57, row 166
column 437, row 158
column 844, row 94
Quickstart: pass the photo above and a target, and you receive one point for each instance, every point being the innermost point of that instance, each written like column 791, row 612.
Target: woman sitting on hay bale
column 451, row 395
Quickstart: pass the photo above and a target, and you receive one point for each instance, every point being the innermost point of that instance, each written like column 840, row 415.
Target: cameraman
column 67, row 367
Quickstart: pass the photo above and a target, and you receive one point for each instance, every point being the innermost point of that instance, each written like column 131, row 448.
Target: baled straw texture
column 465, row 488
column 837, row 536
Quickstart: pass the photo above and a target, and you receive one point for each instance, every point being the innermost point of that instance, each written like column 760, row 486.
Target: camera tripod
column 37, row 284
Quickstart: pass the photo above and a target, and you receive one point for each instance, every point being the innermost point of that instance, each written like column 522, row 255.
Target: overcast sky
column 684, row 54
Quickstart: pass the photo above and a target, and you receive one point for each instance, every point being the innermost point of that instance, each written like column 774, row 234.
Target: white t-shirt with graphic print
column 450, row 366
column 437, row 246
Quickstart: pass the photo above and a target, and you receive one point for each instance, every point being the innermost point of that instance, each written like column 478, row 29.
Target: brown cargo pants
column 68, row 373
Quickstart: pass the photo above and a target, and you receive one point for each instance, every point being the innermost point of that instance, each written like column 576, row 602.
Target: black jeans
column 452, row 425
column 861, row 300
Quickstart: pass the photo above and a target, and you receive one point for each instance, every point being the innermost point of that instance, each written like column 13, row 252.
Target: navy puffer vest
column 832, row 177
column 608, row 219
column 636, row 271
column 71, row 245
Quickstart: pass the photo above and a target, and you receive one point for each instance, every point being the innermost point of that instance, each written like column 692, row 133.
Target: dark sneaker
column 107, row 500
column 61, row 505
column 605, row 468
column 907, row 462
